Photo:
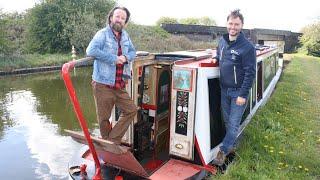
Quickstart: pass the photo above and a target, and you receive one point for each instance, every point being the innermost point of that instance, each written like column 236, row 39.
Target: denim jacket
column 104, row 48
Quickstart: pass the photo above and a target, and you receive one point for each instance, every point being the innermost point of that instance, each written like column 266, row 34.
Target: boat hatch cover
column 176, row 169
column 125, row 161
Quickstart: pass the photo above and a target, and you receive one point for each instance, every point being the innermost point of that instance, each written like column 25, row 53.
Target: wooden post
column 73, row 52
column 74, row 55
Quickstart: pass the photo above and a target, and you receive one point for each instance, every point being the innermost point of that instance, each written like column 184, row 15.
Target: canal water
column 34, row 111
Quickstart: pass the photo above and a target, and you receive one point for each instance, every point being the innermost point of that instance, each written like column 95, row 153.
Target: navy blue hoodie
column 237, row 61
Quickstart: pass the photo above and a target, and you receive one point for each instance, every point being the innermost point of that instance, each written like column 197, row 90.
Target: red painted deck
column 176, row 170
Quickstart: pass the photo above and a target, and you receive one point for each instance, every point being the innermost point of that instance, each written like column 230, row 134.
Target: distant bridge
column 287, row 41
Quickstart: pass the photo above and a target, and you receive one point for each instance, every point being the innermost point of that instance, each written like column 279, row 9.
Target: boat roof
column 196, row 54
column 200, row 58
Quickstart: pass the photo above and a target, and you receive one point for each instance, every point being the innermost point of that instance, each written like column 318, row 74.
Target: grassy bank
column 156, row 39
column 9, row 63
column 145, row 38
column 283, row 139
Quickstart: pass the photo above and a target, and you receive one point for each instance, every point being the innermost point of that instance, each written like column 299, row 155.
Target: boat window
column 163, row 92
column 259, row 81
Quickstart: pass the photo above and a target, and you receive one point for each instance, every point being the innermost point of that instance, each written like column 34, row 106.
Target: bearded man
column 113, row 52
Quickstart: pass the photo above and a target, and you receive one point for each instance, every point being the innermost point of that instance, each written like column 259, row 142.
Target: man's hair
column 234, row 14
column 118, row 7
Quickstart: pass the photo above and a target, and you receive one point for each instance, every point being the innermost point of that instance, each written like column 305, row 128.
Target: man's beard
column 116, row 26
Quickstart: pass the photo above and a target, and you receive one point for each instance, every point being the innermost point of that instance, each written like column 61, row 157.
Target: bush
column 311, row 39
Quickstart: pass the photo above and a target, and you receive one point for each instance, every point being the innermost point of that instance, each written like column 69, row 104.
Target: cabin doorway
column 151, row 132
column 217, row 127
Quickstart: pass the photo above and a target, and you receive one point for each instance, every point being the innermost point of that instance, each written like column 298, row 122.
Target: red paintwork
column 148, row 106
column 264, row 51
column 118, row 178
column 153, row 165
column 209, row 64
column 199, row 151
column 140, row 71
column 76, row 105
column 197, row 63
column 209, row 168
column 83, row 168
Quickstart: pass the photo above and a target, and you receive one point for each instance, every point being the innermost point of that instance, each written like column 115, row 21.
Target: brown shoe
column 220, row 158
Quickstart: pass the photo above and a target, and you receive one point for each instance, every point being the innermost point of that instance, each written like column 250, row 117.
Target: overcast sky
column 269, row 14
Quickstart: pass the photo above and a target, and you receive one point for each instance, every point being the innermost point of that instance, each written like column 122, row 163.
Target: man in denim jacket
column 113, row 52
column 237, row 62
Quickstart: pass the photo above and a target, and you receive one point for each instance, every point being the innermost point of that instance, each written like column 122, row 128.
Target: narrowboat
column 179, row 127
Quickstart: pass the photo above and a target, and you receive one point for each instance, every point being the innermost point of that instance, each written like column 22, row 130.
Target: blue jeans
column 232, row 115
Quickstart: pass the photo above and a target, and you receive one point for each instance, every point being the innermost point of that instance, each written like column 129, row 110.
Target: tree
column 4, row 41
column 44, row 29
column 310, row 39
column 52, row 26
column 166, row 20
column 81, row 28
column 206, row 21
column 190, row 21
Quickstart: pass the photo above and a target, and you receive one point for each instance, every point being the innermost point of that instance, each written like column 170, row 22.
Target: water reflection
column 34, row 110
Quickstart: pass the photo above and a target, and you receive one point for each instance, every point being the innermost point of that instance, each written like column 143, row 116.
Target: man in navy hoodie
column 237, row 62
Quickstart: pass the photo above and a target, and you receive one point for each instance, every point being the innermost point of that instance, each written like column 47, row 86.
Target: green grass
column 283, row 139
column 8, row 63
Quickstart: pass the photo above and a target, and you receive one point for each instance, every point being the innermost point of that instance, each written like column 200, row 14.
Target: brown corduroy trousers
column 105, row 98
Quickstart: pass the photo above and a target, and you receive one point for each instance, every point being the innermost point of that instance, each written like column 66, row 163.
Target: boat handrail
column 66, row 68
